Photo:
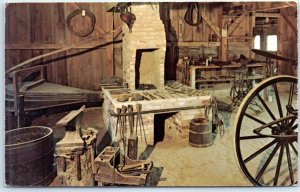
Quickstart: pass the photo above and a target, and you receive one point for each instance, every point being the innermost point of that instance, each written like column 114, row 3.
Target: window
column 272, row 43
column 257, row 42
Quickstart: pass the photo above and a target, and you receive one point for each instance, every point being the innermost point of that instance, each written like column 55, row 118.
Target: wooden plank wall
column 287, row 39
column 239, row 38
column 38, row 28
column 187, row 33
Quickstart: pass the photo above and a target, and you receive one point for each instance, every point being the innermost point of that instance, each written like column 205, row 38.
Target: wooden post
column 252, row 25
column 42, row 71
column 21, row 112
column 15, row 91
column 224, row 45
column 193, row 77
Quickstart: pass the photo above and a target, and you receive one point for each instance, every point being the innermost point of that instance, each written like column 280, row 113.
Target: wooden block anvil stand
column 75, row 152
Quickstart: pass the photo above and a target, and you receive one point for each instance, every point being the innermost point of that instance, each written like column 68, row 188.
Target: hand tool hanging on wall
column 140, row 121
column 118, row 120
column 188, row 17
column 132, row 145
column 124, row 129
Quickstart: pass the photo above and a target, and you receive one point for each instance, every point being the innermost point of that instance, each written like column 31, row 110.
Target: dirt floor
column 176, row 163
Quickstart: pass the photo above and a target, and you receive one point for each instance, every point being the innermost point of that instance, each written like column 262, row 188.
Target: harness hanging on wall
column 89, row 29
column 188, row 17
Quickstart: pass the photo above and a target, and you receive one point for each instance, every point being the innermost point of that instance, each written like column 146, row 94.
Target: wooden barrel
column 29, row 156
column 200, row 134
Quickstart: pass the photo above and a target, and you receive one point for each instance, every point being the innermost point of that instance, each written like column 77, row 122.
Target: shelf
column 212, row 66
column 256, row 77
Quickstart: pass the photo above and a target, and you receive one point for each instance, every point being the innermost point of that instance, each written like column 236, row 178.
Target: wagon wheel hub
column 280, row 129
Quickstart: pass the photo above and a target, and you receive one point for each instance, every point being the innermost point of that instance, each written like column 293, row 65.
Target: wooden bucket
column 200, row 134
column 29, row 156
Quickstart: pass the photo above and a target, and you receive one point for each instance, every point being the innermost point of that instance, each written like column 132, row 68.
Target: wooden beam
column 264, row 6
column 211, row 25
column 236, row 22
column 260, row 6
column 109, row 51
column 47, row 46
column 267, row 15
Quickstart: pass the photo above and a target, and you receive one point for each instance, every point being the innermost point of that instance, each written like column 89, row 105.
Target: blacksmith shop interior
column 151, row 94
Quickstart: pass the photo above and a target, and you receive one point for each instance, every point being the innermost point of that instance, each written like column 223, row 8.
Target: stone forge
column 143, row 63
column 144, row 47
column 164, row 117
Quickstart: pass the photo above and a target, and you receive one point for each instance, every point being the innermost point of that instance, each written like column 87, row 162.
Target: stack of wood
column 135, row 169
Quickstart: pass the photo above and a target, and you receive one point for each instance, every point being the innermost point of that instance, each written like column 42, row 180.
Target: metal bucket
column 200, row 134
column 29, row 156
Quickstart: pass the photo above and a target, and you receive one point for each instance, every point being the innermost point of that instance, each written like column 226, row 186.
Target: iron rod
column 112, row 113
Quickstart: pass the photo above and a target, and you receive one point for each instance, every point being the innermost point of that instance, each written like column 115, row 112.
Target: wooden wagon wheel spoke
column 264, row 167
column 278, row 100
column 290, row 166
column 282, row 128
column 260, row 151
column 278, row 165
column 266, row 107
column 293, row 147
column 253, row 137
column 290, row 97
column 257, row 120
column 291, row 124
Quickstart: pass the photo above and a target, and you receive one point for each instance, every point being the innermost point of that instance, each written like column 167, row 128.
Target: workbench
column 217, row 71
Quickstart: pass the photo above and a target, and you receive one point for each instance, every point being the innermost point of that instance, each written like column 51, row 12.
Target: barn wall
column 287, row 34
column 240, row 41
column 37, row 28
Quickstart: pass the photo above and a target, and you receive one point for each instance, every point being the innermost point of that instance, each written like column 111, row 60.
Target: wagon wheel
column 265, row 143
